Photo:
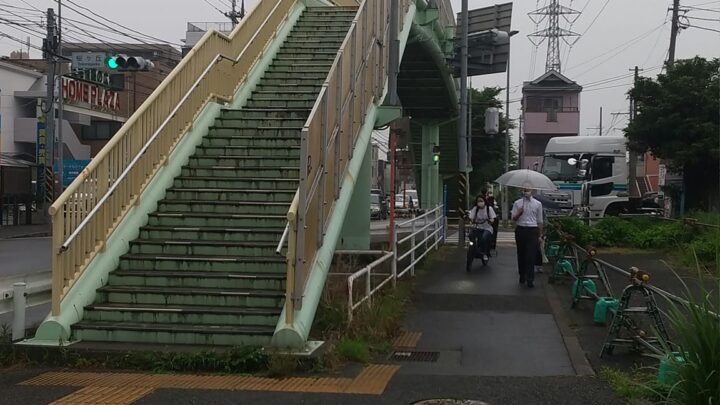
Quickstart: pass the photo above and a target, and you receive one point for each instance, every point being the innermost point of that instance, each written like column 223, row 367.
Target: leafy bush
column 651, row 233
column 697, row 327
column 353, row 350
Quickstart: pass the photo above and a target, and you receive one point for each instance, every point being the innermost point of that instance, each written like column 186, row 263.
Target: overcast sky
column 617, row 35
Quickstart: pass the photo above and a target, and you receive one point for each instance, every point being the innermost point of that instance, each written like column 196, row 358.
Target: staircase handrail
column 356, row 79
column 91, row 208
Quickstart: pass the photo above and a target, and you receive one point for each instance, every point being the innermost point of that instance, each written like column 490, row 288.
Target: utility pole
column 60, row 145
column 49, row 52
column 600, row 127
column 505, row 201
column 632, row 166
column 462, row 128
column 234, row 15
column 674, row 28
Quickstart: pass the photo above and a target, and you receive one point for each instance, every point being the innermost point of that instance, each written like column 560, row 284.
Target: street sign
column 88, row 60
column 72, row 169
column 488, row 40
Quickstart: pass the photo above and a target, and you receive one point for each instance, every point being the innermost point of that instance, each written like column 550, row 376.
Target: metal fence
column 428, row 231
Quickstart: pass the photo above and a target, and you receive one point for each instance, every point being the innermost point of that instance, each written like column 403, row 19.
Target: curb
column 576, row 353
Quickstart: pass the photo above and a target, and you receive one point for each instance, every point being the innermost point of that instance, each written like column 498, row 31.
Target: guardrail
column 21, row 291
column 433, row 233
column 91, row 208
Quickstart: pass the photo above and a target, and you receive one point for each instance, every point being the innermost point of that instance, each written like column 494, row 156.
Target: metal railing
column 91, row 208
column 355, row 81
column 432, row 231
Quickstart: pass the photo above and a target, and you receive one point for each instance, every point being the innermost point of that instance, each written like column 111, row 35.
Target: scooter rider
column 482, row 217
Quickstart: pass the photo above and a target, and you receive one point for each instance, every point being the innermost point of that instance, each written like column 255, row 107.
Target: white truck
column 595, row 165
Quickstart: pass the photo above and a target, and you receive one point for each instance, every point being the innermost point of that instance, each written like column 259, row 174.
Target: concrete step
column 203, row 248
column 243, row 161
column 225, row 171
column 281, row 103
column 221, row 233
column 316, row 69
column 288, row 94
column 206, row 219
column 181, row 314
column 292, row 76
column 224, row 207
column 290, row 88
column 93, row 331
column 292, row 81
column 270, row 138
column 251, row 183
column 274, row 264
column 219, row 194
column 266, row 151
column 291, row 117
column 324, row 60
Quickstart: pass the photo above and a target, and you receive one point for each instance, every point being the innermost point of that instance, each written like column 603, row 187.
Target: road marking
column 407, row 339
column 104, row 395
column 372, row 380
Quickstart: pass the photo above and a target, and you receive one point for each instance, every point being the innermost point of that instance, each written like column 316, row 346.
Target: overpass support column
column 431, row 189
column 355, row 233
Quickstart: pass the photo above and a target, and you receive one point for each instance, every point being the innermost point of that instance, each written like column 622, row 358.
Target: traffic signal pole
column 61, row 146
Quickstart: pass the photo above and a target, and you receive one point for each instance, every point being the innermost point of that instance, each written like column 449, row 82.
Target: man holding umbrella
column 527, row 212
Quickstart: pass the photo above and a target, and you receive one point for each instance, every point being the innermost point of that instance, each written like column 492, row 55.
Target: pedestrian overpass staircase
column 250, row 147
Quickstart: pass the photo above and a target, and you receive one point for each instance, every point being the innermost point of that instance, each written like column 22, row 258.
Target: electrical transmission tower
column 553, row 32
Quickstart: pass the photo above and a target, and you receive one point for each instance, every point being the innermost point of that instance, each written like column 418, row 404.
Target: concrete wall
column 11, row 80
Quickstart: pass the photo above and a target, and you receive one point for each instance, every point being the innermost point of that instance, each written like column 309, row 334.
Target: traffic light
column 436, row 154
column 124, row 63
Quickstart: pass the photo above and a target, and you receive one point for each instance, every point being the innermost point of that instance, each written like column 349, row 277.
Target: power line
column 703, row 28
column 116, row 23
column 596, row 17
column 213, row 6
column 712, row 10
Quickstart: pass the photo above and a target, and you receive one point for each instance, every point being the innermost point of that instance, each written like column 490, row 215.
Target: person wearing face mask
column 527, row 212
column 482, row 217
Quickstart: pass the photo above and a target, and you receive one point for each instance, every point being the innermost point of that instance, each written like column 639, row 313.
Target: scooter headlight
column 471, row 243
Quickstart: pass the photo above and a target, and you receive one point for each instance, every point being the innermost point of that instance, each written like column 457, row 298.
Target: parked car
column 378, row 207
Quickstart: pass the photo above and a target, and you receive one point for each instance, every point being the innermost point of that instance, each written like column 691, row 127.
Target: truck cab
column 598, row 162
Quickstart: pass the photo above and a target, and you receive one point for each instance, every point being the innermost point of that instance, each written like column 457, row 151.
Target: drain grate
column 405, row 355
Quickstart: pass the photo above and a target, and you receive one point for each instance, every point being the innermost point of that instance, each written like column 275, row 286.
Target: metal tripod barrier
column 625, row 330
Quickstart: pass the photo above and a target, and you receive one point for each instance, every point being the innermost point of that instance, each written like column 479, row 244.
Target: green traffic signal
column 111, row 63
column 436, row 158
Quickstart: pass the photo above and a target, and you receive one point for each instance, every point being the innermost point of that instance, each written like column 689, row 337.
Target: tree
column 488, row 151
column 677, row 121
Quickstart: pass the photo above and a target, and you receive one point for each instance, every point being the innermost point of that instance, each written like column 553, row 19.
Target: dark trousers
column 528, row 246
column 483, row 237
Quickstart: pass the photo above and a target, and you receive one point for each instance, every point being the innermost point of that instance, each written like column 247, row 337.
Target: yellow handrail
column 90, row 209
column 355, row 81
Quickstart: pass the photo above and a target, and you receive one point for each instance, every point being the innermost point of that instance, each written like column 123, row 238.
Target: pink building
column 550, row 107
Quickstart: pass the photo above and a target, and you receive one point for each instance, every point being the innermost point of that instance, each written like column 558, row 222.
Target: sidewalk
column 24, row 231
column 492, row 340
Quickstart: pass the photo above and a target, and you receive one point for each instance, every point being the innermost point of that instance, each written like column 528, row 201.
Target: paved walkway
column 491, row 339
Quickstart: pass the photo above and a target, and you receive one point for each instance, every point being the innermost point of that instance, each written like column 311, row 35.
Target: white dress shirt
column 481, row 219
column 532, row 215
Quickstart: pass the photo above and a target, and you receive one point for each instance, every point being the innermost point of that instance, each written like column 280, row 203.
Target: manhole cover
column 415, row 356
column 449, row 402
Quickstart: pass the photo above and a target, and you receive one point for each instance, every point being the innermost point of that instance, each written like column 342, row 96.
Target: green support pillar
column 355, row 233
column 431, row 189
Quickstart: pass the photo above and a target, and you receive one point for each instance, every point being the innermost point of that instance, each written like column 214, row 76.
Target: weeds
column 353, row 350
column 697, row 327
column 637, row 387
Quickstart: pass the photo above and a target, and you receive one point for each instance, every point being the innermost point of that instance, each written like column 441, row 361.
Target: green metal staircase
column 204, row 269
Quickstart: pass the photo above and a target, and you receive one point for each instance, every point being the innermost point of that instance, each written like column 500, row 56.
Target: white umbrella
column 525, row 178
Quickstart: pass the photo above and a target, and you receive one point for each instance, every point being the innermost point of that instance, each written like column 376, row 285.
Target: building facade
column 550, row 108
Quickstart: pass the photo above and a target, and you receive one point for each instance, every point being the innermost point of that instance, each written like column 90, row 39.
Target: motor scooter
column 474, row 248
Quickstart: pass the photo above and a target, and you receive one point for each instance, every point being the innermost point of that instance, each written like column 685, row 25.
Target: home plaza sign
column 82, row 92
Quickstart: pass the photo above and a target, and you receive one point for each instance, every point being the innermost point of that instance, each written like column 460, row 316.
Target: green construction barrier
column 563, row 266
column 552, row 250
column 668, row 371
column 602, row 306
column 588, row 284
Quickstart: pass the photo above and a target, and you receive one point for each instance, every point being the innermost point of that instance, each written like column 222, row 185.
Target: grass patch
column 637, row 387
column 353, row 350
